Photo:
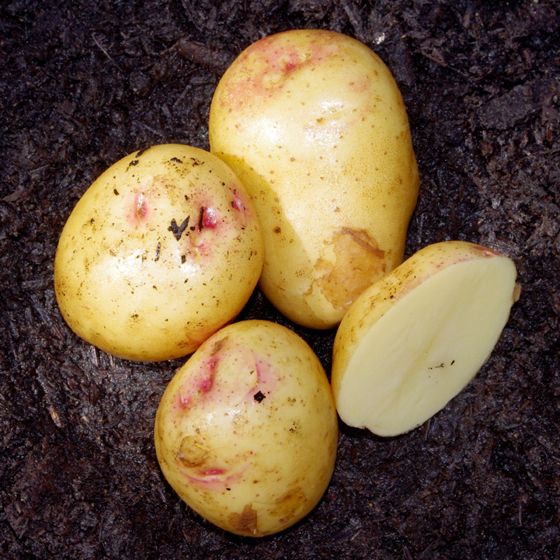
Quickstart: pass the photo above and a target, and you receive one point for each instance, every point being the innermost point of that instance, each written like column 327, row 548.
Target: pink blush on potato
column 208, row 217
column 138, row 209
column 205, row 385
column 240, row 205
column 202, row 234
column 201, row 385
column 255, row 380
column 182, row 402
column 214, row 471
column 273, row 62
column 210, row 366
column 237, row 203
column 216, row 479
column 266, row 376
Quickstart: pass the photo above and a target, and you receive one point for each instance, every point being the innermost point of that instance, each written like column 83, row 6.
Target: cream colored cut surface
column 427, row 347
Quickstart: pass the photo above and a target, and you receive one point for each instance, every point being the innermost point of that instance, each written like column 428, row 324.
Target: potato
column 314, row 125
column 413, row 340
column 246, row 431
column 161, row 251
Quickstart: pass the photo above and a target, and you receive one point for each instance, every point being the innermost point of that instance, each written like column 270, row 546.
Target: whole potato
column 161, row 251
column 315, row 126
column 246, row 431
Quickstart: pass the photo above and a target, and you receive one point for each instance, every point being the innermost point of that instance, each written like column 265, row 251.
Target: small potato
column 161, row 251
column 314, row 125
column 246, row 431
column 414, row 339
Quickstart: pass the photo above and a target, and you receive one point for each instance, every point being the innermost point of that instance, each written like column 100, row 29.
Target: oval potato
column 246, row 431
column 161, row 251
column 315, row 126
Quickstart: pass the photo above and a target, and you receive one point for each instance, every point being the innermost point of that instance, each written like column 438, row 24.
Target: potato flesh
column 427, row 347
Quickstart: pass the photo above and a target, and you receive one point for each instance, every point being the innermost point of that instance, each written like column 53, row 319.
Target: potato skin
column 161, row 251
column 246, row 431
column 315, row 126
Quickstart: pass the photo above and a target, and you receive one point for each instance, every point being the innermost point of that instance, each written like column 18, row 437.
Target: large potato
column 162, row 250
column 246, row 430
column 414, row 339
column 314, row 125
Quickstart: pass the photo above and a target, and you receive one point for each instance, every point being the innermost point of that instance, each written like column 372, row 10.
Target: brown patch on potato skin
column 287, row 506
column 245, row 523
column 192, row 452
column 358, row 262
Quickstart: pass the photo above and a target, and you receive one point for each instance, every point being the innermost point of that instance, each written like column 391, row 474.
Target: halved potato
column 413, row 340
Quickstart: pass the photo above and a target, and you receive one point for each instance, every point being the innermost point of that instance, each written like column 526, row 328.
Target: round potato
column 315, row 126
column 246, row 431
column 161, row 251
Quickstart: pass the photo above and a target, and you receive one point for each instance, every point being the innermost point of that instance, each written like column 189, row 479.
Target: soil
column 82, row 84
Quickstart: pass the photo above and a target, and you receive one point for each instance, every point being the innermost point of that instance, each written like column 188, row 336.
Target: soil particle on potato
column 81, row 88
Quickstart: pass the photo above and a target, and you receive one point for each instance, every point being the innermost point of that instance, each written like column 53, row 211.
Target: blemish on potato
column 212, row 471
column 139, row 209
column 246, row 521
column 485, row 251
column 192, row 452
column 132, row 163
column 351, row 262
column 208, row 218
column 238, row 203
column 178, row 230
column 206, row 383
column 266, row 377
column 183, row 401
column 287, row 506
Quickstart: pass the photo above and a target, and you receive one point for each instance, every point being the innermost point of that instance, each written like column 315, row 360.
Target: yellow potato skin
column 161, row 251
column 246, row 431
column 315, row 126
column 379, row 298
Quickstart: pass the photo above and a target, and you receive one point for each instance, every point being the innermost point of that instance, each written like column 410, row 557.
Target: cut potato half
column 415, row 339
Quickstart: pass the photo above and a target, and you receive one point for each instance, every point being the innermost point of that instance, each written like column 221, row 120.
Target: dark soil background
column 85, row 84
